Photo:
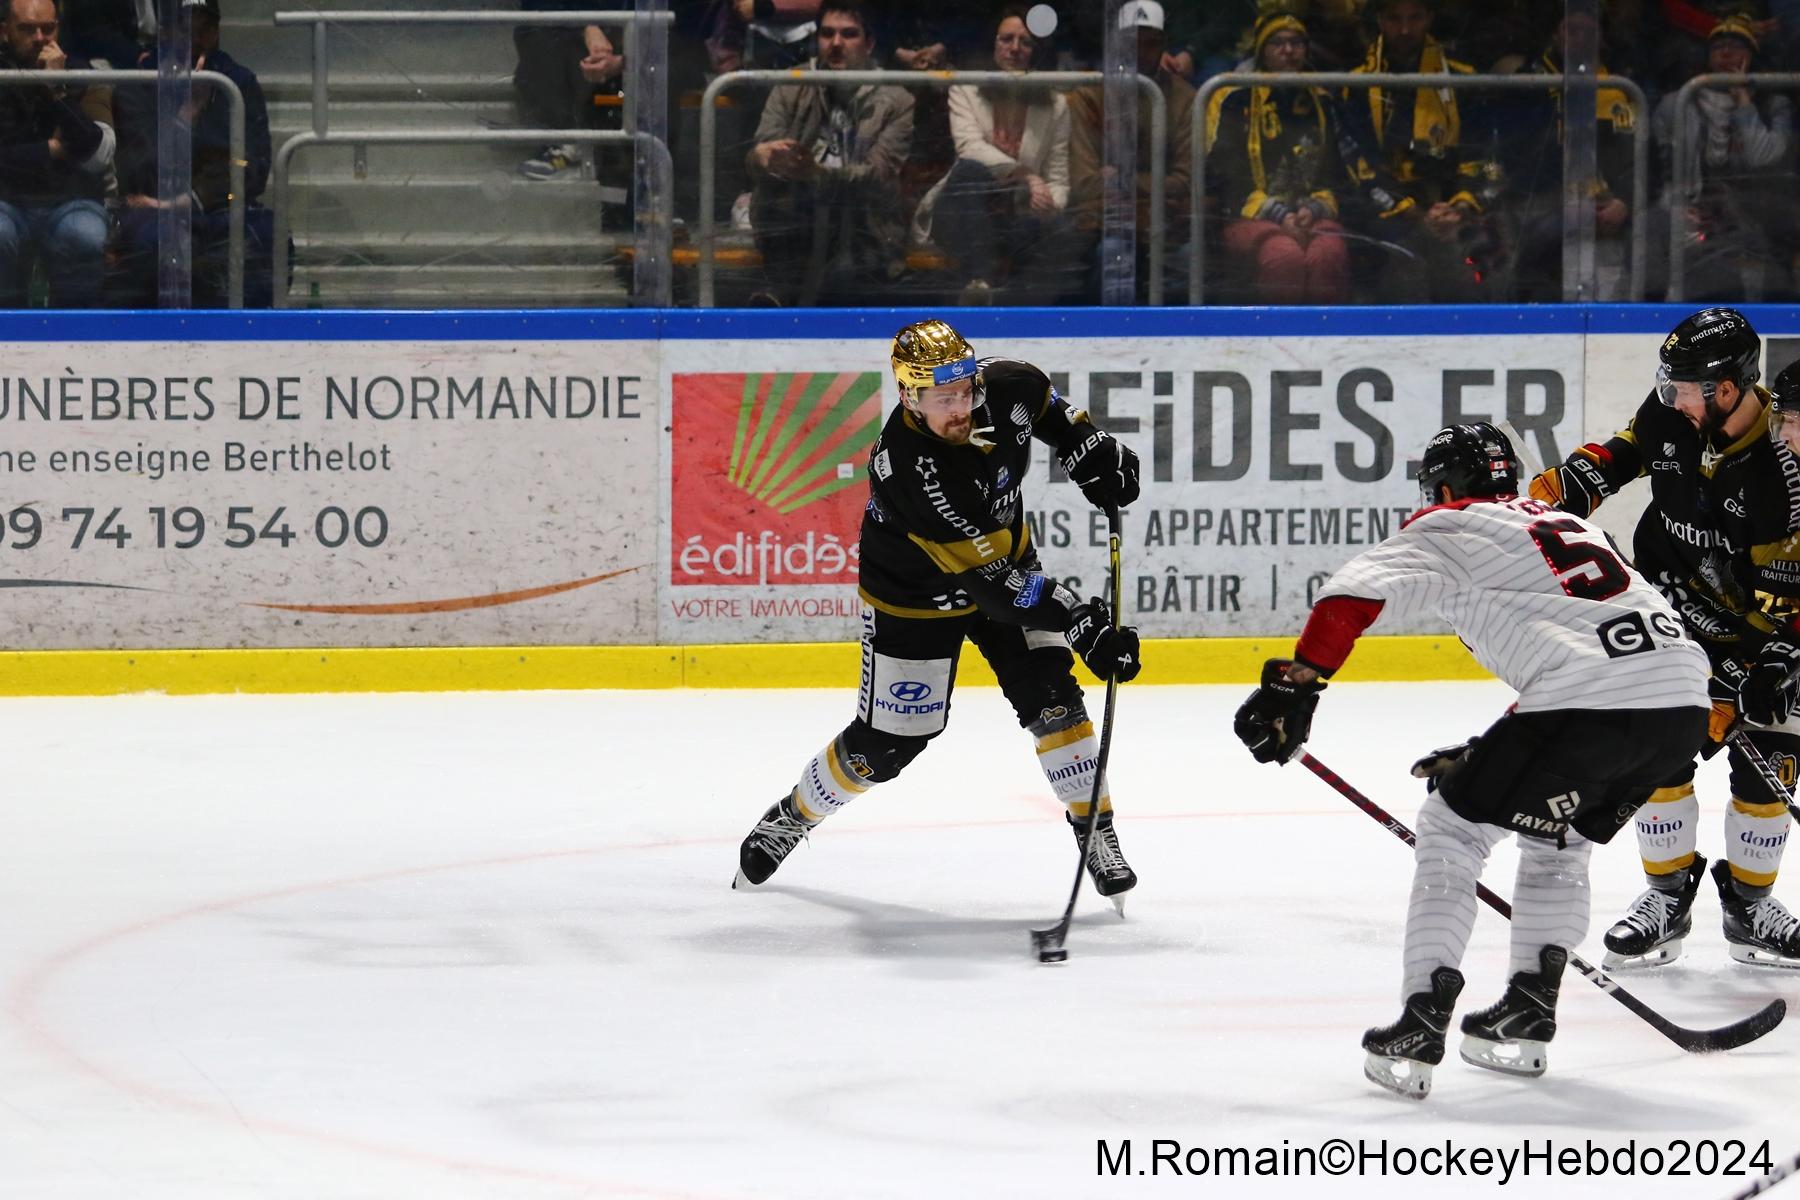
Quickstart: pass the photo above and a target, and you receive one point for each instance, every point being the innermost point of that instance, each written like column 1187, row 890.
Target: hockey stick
column 1699, row 1041
column 1786, row 1170
column 1049, row 942
column 1754, row 756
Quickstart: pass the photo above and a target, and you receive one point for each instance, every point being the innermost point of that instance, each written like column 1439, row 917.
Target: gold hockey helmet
column 928, row 353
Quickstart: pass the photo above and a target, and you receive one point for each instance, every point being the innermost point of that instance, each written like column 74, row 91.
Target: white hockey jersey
column 1541, row 599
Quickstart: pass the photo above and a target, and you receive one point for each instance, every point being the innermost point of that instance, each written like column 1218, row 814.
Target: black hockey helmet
column 1784, row 407
column 1712, row 345
column 1471, row 460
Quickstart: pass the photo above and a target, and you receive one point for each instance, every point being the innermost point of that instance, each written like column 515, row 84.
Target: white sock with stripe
column 1667, row 832
column 1068, row 757
column 1755, row 837
column 1550, row 898
column 830, row 781
column 1446, row 863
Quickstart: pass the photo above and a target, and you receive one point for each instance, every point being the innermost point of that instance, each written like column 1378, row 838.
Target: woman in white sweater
column 1000, row 209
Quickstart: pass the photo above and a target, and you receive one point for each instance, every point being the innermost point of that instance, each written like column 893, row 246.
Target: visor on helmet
column 1784, row 426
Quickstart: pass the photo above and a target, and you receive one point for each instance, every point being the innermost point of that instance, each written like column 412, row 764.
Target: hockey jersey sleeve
column 1594, row 472
column 946, row 516
column 1410, row 574
column 1053, row 420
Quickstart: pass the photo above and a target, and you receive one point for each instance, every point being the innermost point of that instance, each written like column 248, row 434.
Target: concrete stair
column 423, row 226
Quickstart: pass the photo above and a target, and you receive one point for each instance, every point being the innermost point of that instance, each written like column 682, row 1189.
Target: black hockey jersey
column 1722, row 531
column 944, row 532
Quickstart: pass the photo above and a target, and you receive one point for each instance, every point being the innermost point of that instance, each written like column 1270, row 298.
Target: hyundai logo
column 909, row 692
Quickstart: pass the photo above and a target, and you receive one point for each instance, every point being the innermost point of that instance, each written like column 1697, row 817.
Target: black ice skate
column 1112, row 875
column 1760, row 932
column 774, row 838
column 1510, row 1035
column 1652, row 932
column 1401, row 1055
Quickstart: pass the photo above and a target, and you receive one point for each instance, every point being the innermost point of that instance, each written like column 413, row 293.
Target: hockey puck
column 1053, row 955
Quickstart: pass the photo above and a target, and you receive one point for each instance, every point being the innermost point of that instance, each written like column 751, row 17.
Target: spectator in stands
column 106, row 32
column 825, row 170
column 1738, row 157
column 1687, row 33
column 1433, row 147
column 208, row 115
column 1000, row 209
column 559, row 69
column 1090, row 184
column 1531, row 154
column 1274, row 155
column 732, row 24
column 56, row 149
column 931, row 35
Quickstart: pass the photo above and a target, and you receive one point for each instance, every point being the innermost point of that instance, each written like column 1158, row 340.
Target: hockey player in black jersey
column 1721, row 539
column 946, row 555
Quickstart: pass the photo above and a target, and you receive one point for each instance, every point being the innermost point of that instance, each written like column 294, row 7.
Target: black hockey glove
column 1577, row 486
column 1771, row 691
column 1440, row 762
column 1275, row 721
column 1109, row 653
column 1103, row 468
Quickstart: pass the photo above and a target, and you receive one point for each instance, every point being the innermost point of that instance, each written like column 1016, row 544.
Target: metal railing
column 657, row 214
column 1640, row 166
column 665, row 175
column 1685, row 177
column 234, row 280
column 323, row 21
column 1050, row 80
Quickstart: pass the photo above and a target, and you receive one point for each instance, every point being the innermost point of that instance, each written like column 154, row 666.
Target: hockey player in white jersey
column 1612, row 697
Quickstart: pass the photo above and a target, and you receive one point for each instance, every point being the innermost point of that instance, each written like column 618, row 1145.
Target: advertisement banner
column 344, row 493
column 1267, row 462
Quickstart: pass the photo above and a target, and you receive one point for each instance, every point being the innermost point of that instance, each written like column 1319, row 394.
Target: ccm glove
column 1103, row 468
column 1578, row 486
column 1770, row 692
column 1438, row 763
column 1108, row 652
column 1275, row 721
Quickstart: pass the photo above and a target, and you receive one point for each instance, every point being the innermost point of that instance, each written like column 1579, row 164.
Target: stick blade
column 1738, row 1033
column 1048, row 943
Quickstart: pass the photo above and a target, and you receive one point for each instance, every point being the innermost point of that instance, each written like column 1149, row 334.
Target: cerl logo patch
column 909, row 691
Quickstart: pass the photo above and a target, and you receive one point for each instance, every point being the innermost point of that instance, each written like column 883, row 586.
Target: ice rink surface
column 484, row 946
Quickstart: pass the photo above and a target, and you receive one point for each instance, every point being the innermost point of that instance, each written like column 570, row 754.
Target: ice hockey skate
column 774, row 838
column 1511, row 1034
column 1760, row 932
column 1106, row 864
column 1652, row 933
column 1402, row 1055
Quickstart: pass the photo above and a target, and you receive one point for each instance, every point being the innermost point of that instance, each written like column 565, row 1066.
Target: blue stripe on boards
column 562, row 325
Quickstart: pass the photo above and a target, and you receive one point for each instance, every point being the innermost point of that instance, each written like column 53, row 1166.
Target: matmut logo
column 769, row 475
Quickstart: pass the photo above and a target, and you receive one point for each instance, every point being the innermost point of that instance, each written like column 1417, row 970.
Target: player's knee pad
column 1450, row 845
column 855, row 761
column 1041, row 681
column 880, row 754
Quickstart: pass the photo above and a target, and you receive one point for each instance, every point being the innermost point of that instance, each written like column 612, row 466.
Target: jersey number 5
column 1585, row 570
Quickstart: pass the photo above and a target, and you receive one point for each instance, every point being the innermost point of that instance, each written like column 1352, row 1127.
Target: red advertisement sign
column 770, row 475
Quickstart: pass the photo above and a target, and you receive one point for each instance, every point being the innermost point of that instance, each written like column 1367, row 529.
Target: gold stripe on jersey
column 901, row 610
column 953, row 558
column 1759, row 429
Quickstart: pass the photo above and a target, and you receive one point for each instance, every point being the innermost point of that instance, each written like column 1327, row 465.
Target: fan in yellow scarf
column 1275, row 153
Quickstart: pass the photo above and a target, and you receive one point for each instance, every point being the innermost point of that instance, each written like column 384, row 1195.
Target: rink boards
column 398, row 501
